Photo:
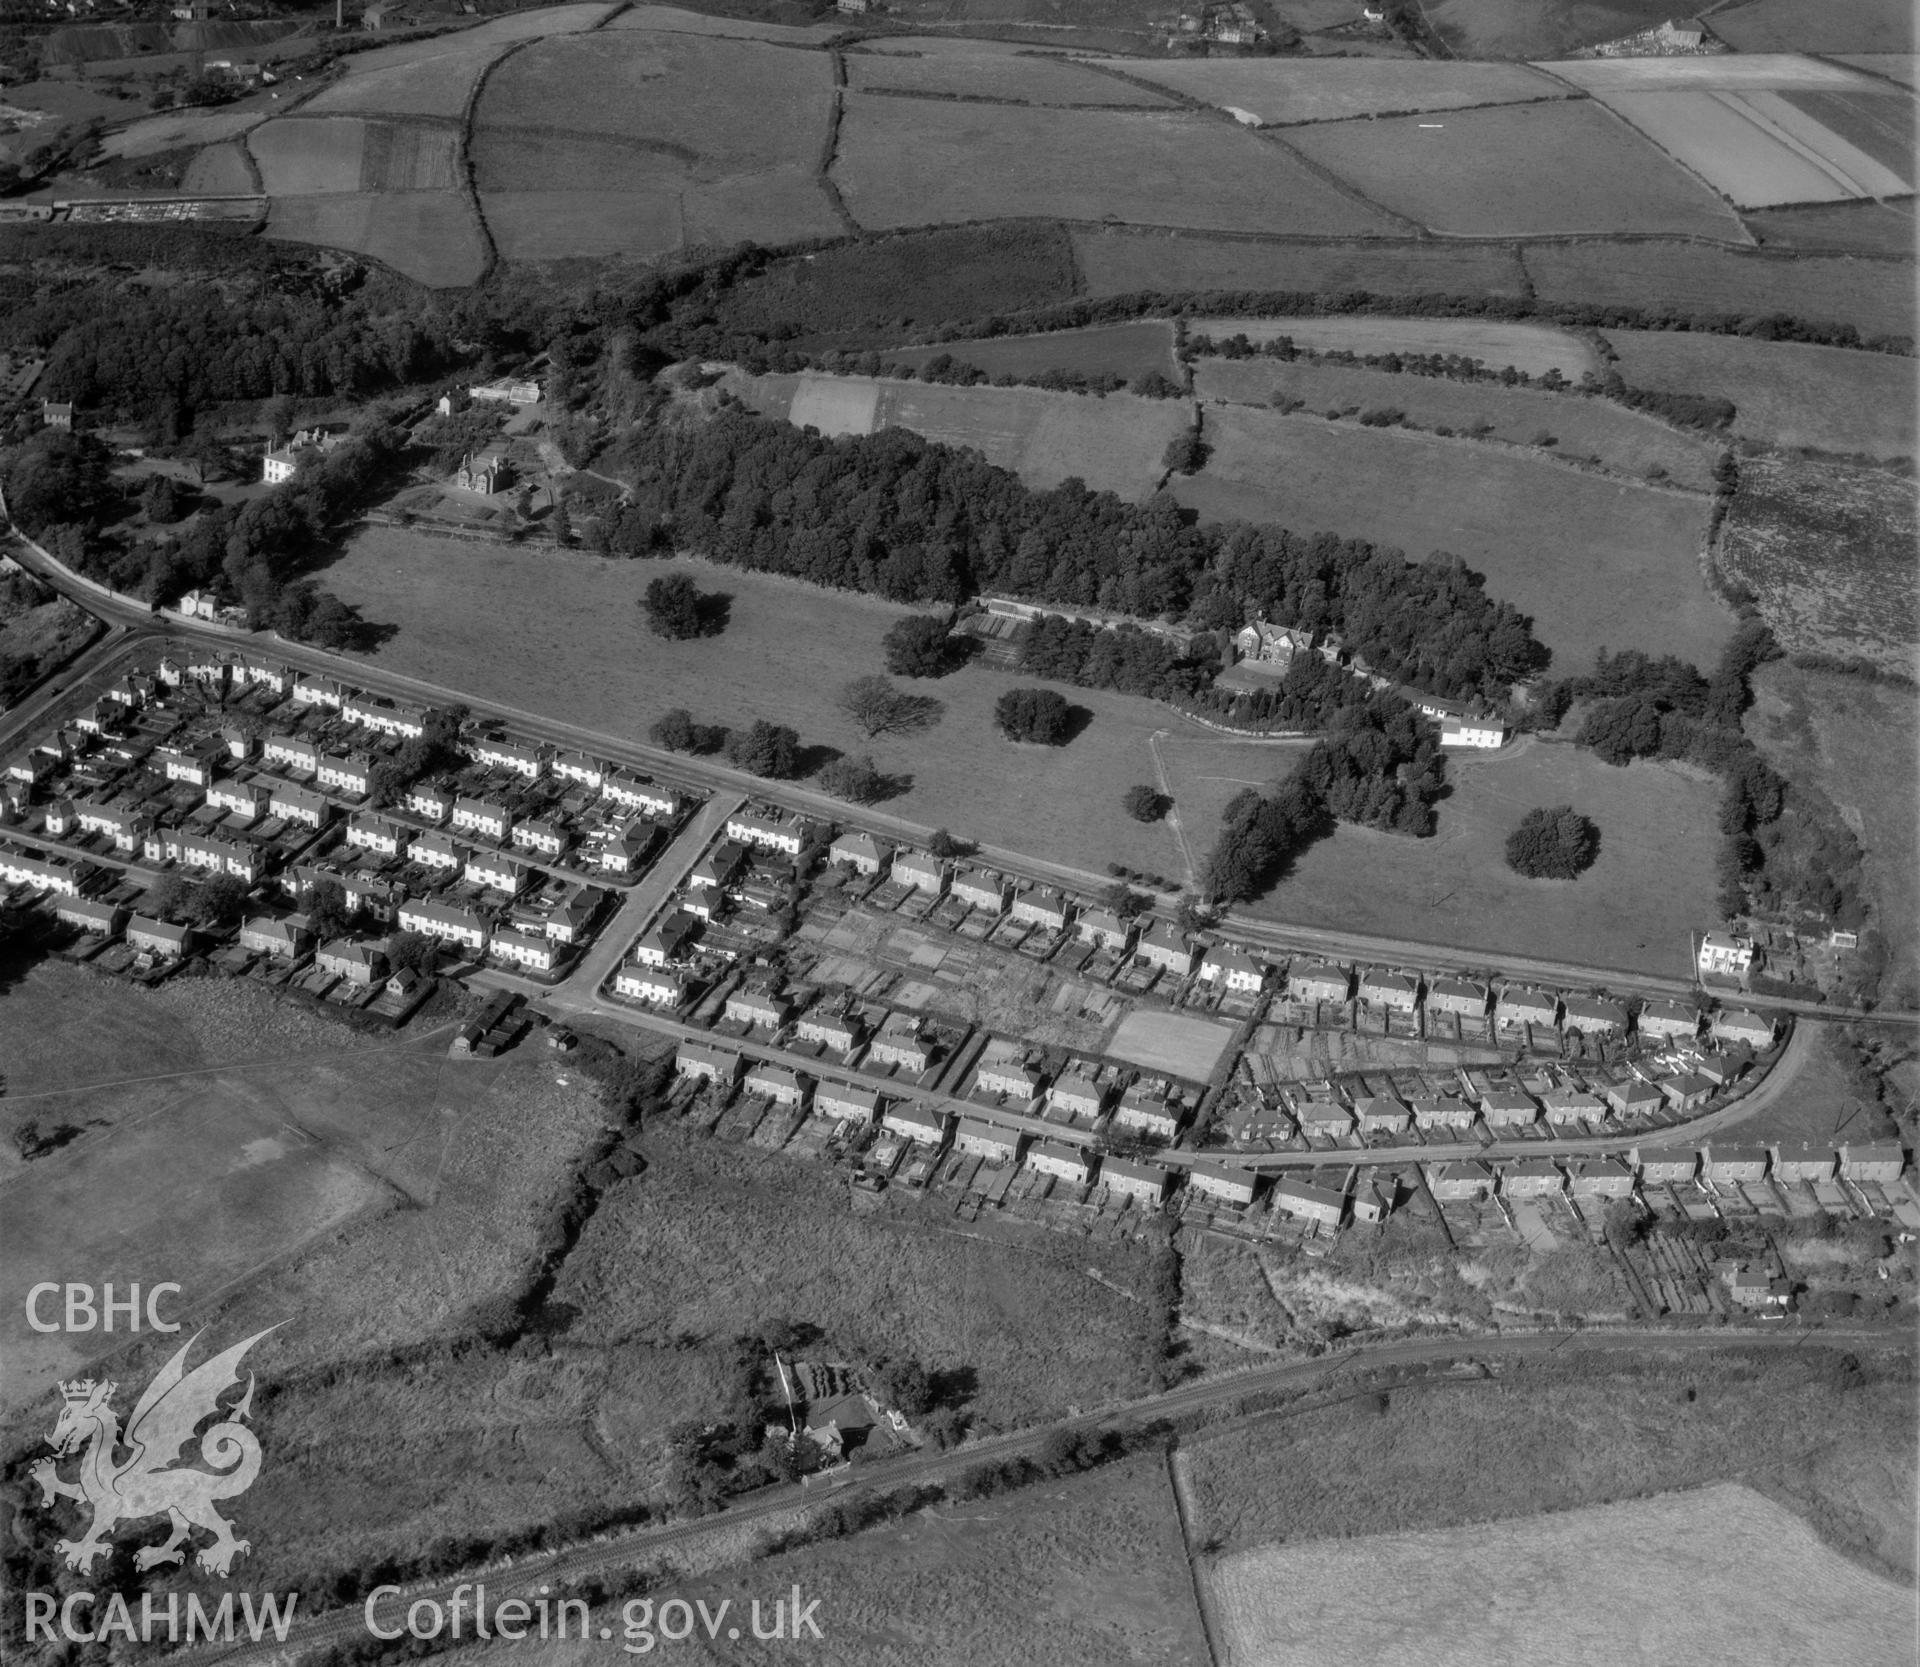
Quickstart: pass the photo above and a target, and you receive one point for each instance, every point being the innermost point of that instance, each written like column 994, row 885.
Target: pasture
column 1586, row 172
column 1761, row 151
column 1176, row 1043
column 551, row 225
column 1818, row 26
column 578, row 650
column 1902, row 67
column 1827, row 550
column 490, row 37
column 438, row 85
column 1284, row 91
column 1718, row 1574
column 1087, row 1569
column 1118, row 261
column 988, row 69
column 1127, row 350
column 909, row 162
column 1592, row 559
column 1858, row 743
column 1532, row 348
column 672, row 20
column 429, row 236
column 1654, row 879
column 300, row 157
column 219, row 170
column 727, row 106
column 153, row 134
column 1879, row 229
column 1622, row 442
column 1784, row 393
column 1875, row 296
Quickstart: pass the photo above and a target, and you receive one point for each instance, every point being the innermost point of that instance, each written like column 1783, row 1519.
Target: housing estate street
column 619, row 1550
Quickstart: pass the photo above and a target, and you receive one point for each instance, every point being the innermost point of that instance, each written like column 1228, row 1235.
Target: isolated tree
column 1144, row 804
column 946, row 847
column 920, row 646
column 1041, row 715
column 672, row 603
column 1554, row 843
column 414, row 950
column 771, row 750
column 858, row 780
column 674, row 730
column 167, row 898
column 879, row 707
column 1186, row 452
column 327, row 913
column 219, row 901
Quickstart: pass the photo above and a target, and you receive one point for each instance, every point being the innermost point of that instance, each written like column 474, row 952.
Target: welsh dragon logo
column 149, row 1481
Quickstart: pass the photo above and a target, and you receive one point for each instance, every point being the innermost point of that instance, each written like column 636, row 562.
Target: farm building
column 707, row 1064
column 776, row 1083
column 1456, row 1183
column 1317, row 981
column 1149, row 1112
column 1458, row 996
column 980, row 889
column 1306, row 1202
column 1733, row 1163
column 919, row 872
column 1166, row 947
column 916, row 1123
column 766, row 833
column 357, row 963
column 1803, row 1162
column 1687, row 1092
column 1875, row 1161
column 758, row 1008
column 1725, row 955
column 1600, row 1178
column 1232, row 968
column 902, row 1042
column 1665, row 1165
column 1508, row 1108
column 91, row 914
column 1222, row 1181
column 1104, row 929
column 639, row 982
column 1517, row 1007
column 1382, row 1114
column 524, row 950
column 1665, row 1020
column 1008, row 1077
column 861, row 852
column 446, row 922
column 1593, row 1016
column 667, row 942
column 158, row 937
column 1532, row 1178
column 1063, row 1163
column 1447, row 1112
column 1754, row 1029
column 1634, row 1098
column 1394, row 991
column 1075, row 1094
column 982, row 1139
column 1143, row 1182
column 1041, row 906
column 842, row 1101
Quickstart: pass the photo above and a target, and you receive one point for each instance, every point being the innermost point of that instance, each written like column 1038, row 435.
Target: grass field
column 1875, row 296
column 1036, row 1331
column 1785, row 393
column 490, row 37
column 738, row 106
column 587, row 658
column 1171, row 1042
column 1902, row 67
column 429, row 236
column 1127, row 350
column 1857, row 743
column 1827, row 549
column 1089, row 1569
column 1864, row 228
column 1532, row 348
column 1718, row 1574
column 672, row 20
column 1593, row 560
column 988, row 69
column 549, row 225
column 428, row 86
column 1119, row 262
column 1288, row 90
column 1588, row 1435
column 1586, row 172
column 1113, row 443
column 1621, row 441
column 300, row 157
column 1760, row 151
column 1653, row 882
column 576, row 164
column 905, row 162
column 218, row 170
column 1817, row 26
column 153, row 134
